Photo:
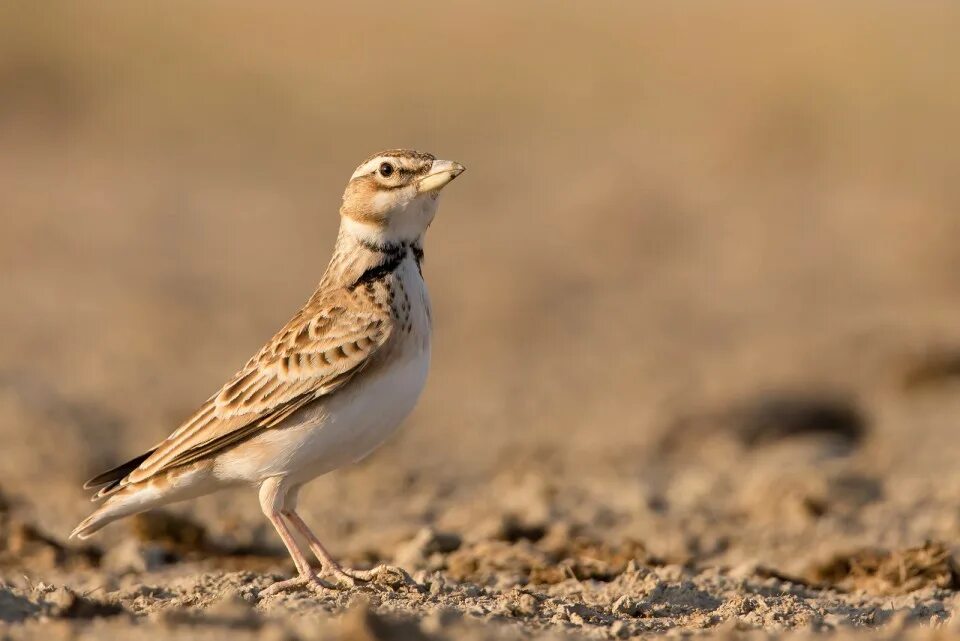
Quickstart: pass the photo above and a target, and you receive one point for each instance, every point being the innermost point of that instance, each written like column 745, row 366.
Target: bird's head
column 392, row 196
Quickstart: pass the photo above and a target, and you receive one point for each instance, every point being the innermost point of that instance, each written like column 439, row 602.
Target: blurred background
column 699, row 287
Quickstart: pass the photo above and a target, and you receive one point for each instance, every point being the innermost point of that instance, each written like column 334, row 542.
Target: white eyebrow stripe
column 367, row 167
column 399, row 161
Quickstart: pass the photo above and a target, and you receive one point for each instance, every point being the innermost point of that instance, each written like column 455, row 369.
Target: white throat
column 406, row 224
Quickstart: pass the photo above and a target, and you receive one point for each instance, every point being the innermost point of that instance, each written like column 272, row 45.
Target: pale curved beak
column 441, row 172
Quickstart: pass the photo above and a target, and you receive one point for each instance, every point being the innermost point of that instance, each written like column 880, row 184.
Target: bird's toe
column 388, row 575
column 303, row 582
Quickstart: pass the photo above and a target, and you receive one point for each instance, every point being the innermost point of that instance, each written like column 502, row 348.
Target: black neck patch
column 418, row 256
column 382, row 248
column 391, row 260
column 392, row 256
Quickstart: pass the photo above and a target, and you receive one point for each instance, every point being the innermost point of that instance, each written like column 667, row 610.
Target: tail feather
column 88, row 526
column 107, row 513
column 118, row 505
column 113, row 476
column 181, row 483
column 124, row 501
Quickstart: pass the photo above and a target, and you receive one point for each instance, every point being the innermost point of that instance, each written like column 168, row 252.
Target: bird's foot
column 303, row 582
column 388, row 575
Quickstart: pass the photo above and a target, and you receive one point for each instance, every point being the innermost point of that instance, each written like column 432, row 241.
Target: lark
column 327, row 389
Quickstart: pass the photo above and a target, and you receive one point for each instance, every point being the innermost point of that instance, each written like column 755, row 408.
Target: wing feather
column 318, row 351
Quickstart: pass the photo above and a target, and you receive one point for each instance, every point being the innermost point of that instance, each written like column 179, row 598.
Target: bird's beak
column 441, row 172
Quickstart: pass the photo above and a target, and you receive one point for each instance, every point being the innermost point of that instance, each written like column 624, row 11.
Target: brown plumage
column 297, row 408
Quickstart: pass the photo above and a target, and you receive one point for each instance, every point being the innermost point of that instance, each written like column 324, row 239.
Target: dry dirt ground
column 697, row 346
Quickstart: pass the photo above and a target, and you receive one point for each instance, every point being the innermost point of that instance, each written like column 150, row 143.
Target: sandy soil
column 697, row 356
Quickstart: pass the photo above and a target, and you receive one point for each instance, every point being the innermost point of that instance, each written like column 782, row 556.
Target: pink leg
column 270, row 499
column 328, row 563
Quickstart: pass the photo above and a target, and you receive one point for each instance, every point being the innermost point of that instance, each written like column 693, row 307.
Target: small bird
column 327, row 389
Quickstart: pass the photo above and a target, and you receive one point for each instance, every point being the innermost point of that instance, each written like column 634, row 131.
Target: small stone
column 437, row 584
column 42, row 588
column 625, row 605
column 527, row 605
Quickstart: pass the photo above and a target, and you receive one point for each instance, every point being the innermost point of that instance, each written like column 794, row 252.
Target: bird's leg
column 327, row 562
column 306, row 577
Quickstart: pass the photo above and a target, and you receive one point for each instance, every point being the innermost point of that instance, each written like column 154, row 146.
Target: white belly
column 332, row 433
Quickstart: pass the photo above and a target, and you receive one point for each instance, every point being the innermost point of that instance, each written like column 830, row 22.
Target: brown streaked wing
column 318, row 351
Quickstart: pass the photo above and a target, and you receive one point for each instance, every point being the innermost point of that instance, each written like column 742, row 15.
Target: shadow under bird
column 327, row 389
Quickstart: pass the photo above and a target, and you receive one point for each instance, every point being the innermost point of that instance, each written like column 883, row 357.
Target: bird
column 326, row 390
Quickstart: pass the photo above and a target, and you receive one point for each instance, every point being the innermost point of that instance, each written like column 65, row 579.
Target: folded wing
column 319, row 350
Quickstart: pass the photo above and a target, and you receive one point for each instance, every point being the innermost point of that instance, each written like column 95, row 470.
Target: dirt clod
column 891, row 572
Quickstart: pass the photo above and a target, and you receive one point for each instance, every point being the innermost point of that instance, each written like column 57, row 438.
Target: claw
column 310, row 582
column 384, row 574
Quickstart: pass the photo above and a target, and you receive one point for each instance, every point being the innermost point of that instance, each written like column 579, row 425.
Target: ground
column 696, row 366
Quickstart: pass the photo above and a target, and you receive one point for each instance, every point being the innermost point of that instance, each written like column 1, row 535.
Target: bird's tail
column 127, row 501
column 185, row 482
column 122, row 498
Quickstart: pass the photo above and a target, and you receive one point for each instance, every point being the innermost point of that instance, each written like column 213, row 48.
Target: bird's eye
column 386, row 170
